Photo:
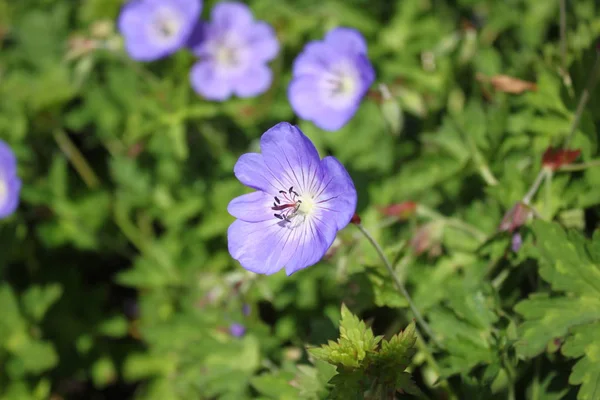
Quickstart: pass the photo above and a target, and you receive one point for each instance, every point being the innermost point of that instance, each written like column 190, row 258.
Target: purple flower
column 10, row 184
column 234, row 52
column 516, row 242
column 300, row 204
column 237, row 330
column 330, row 78
column 246, row 309
column 153, row 29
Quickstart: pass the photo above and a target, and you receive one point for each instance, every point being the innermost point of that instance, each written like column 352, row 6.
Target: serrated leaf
column 356, row 340
column 569, row 263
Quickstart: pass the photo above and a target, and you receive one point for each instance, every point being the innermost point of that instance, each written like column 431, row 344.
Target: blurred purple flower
column 10, row 184
column 246, row 309
column 153, row 29
column 300, row 204
column 237, row 330
column 516, row 242
column 234, row 51
column 330, row 78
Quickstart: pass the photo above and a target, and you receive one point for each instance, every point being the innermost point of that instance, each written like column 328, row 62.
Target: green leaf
column 11, row 321
column 313, row 381
column 34, row 357
column 274, row 386
column 571, row 265
column 356, row 340
column 38, row 299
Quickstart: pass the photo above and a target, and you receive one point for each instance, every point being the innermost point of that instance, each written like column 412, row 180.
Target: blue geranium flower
column 299, row 205
column 237, row 330
column 330, row 78
column 153, row 29
column 10, row 184
column 234, row 50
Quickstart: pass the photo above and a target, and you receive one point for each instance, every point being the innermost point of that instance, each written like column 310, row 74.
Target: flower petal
column 255, row 81
column 261, row 247
column 131, row 24
column 316, row 58
column 251, row 170
column 137, row 15
column 10, row 201
column 252, row 207
column 8, row 161
column 313, row 238
column 207, row 82
column 263, row 41
column 303, row 94
column 337, row 196
column 290, row 155
column 346, row 40
column 231, row 15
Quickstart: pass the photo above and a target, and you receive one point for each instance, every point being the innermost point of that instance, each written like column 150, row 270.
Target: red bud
column 402, row 210
column 514, row 218
column 556, row 158
column 355, row 219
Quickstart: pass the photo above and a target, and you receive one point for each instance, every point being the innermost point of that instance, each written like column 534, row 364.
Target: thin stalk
column 585, row 96
column 535, row 186
column 77, row 159
column 397, row 282
column 548, row 193
column 580, row 167
column 535, row 387
column 454, row 222
column 422, row 345
column 510, row 373
column 563, row 34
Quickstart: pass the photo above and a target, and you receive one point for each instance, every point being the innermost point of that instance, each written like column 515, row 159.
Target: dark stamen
column 282, row 192
column 278, row 216
column 277, row 200
column 297, row 195
column 282, row 207
column 291, row 190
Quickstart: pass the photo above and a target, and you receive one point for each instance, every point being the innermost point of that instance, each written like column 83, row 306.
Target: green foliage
column 115, row 278
column 365, row 366
column 571, row 265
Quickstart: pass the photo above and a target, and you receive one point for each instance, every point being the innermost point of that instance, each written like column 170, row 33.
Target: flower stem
column 563, row 34
column 397, row 282
column 444, row 383
column 535, row 186
column 580, row 167
column 454, row 222
column 585, row 96
column 77, row 159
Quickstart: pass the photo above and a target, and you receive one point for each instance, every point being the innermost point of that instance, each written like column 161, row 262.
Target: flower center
column 340, row 85
column 226, row 56
column 290, row 205
column 306, row 206
column 165, row 25
column 3, row 190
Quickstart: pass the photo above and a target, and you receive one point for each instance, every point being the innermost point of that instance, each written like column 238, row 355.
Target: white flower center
column 165, row 26
column 307, row 206
column 292, row 208
column 340, row 85
column 230, row 53
column 3, row 190
column 226, row 56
